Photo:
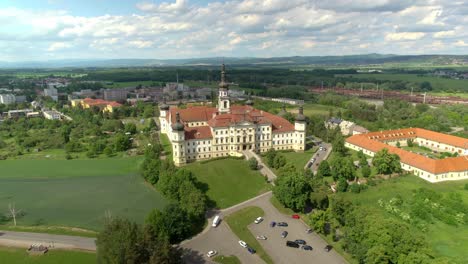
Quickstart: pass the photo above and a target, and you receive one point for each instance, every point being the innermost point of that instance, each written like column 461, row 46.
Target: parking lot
column 226, row 243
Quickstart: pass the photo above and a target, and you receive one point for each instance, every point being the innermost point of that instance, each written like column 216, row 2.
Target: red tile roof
column 372, row 142
column 100, row 102
column 201, row 132
column 237, row 114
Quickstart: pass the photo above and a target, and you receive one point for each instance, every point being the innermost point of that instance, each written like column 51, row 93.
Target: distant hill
column 350, row 60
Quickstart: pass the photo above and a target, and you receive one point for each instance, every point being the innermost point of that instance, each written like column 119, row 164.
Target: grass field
column 19, row 256
column 230, row 181
column 317, row 109
column 227, row 260
column 166, row 144
column 446, row 240
column 299, row 159
column 238, row 223
column 76, row 193
column 436, row 82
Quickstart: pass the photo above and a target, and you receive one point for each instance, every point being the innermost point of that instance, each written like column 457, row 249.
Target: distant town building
column 52, row 115
column 18, row 113
column 33, row 114
column 103, row 105
column 7, row 99
column 52, row 93
column 281, row 100
column 347, row 128
column 20, row 98
column 115, row 94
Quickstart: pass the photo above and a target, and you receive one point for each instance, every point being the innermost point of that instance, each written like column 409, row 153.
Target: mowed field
column 19, row 256
column 76, row 193
column 229, row 181
column 446, row 240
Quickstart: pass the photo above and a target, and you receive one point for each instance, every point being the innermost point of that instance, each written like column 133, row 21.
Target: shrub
column 253, row 163
column 355, row 188
column 466, row 186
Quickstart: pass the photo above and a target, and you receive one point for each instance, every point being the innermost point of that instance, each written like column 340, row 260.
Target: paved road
column 265, row 170
column 319, row 156
column 225, row 242
column 25, row 239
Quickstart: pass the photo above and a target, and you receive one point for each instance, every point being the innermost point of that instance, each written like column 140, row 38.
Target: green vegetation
column 227, row 260
column 229, row 181
column 438, row 83
column 56, row 230
column 166, row 144
column 394, row 199
column 299, row 159
column 131, row 84
column 19, row 256
column 277, row 204
column 76, row 193
column 239, row 221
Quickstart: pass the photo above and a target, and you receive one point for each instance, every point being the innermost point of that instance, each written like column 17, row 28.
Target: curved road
column 26, row 239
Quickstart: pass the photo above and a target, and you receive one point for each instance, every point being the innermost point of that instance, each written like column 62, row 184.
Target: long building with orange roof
column 433, row 170
column 203, row 132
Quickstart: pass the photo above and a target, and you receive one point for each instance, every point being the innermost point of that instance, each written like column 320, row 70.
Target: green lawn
column 76, row 193
column 238, row 223
column 299, row 159
column 19, row 256
column 446, row 240
column 230, row 181
column 166, row 144
column 227, row 260
column 317, row 109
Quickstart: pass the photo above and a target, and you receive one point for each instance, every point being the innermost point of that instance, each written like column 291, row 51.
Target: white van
column 216, row 221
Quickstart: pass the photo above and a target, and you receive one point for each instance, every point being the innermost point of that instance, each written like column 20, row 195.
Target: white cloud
column 399, row 36
column 177, row 28
column 58, row 46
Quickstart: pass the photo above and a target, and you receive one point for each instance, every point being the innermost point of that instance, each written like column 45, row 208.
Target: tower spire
column 223, row 84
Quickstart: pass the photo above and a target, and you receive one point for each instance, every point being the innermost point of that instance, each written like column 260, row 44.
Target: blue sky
column 104, row 29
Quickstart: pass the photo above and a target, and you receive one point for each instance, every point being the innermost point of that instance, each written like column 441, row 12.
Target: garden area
column 436, row 211
column 230, row 181
column 75, row 193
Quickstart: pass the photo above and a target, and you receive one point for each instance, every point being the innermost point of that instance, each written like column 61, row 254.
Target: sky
column 34, row 30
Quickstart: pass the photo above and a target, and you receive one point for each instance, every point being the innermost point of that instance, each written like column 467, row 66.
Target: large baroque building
column 202, row 132
column 432, row 170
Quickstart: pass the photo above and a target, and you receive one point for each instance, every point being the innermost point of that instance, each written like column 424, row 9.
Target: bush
column 466, row 186
column 253, row 163
column 342, row 185
column 355, row 188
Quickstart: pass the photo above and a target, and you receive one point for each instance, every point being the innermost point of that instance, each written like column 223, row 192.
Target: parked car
column 328, row 248
column 284, row 224
column 242, row 243
column 211, row 253
column 306, row 247
column 296, row 216
column 292, row 244
column 261, row 237
column 251, row 250
column 258, row 220
column 309, row 230
column 272, row 224
column 216, row 221
column 284, row 234
column 300, row 241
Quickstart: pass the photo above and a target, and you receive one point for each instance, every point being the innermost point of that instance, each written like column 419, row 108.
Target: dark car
column 282, row 224
column 328, row 248
column 251, row 250
column 306, row 247
column 300, row 241
column 292, row 244
column 284, row 234
column 273, row 224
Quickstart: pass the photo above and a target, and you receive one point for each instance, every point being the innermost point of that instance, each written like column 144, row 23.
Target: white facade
column 227, row 130
column 52, row 115
column 7, row 99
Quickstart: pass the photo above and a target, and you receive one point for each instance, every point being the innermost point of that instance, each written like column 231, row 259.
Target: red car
column 296, row 216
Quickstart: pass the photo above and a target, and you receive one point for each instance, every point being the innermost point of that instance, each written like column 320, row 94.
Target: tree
column 279, row 161
column 152, row 124
column 343, row 168
column 122, row 142
column 192, row 200
column 130, row 128
column 173, row 222
column 253, row 163
column 119, row 242
column 410, row 142
column 338, row 145
column 270, row 157
column 362, row 159
column 342, row 185
column 318, row 220
column 319, row 199
column 108, row 151
column 365, row 171
column 13, row 213
column 324, row 169
column 158, row 250
column 292, row 190
column 398, row 144
column 386, row 163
